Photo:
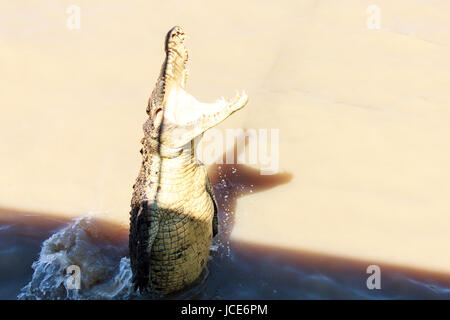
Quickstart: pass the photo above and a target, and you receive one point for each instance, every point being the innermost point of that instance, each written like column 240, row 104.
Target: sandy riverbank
column 363, row 114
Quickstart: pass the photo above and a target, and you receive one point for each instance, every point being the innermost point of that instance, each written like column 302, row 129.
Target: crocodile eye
column 158, row 115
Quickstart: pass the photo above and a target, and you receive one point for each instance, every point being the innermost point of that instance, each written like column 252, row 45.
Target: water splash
column 105, row 272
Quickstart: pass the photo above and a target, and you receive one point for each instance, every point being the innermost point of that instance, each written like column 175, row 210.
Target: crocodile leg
column 144, row 228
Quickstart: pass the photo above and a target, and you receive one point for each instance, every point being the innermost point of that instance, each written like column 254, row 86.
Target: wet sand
column 363, row 115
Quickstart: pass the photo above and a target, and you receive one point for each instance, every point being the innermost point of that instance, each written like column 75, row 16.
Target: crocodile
column 173, row 214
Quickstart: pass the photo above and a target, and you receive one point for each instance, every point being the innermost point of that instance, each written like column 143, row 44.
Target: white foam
column 105, row 272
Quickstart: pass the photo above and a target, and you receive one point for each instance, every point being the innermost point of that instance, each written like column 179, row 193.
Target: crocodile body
column 173, row 208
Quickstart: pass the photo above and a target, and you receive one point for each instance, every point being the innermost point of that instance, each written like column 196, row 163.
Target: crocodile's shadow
column 232, row 181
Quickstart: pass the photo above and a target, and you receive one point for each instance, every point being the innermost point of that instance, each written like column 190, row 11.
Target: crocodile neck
column 165, row 172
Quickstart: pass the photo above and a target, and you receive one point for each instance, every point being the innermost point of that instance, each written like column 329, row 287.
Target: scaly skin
column 173, row 209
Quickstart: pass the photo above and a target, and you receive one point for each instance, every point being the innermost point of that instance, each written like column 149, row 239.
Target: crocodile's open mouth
column 181, row 108
column 183, row 113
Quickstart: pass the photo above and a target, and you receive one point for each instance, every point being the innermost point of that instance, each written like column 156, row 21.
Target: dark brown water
column 236, row 271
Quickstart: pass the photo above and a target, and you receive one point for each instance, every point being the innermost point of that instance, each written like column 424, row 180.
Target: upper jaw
column 174, row 37
column 175, row 72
